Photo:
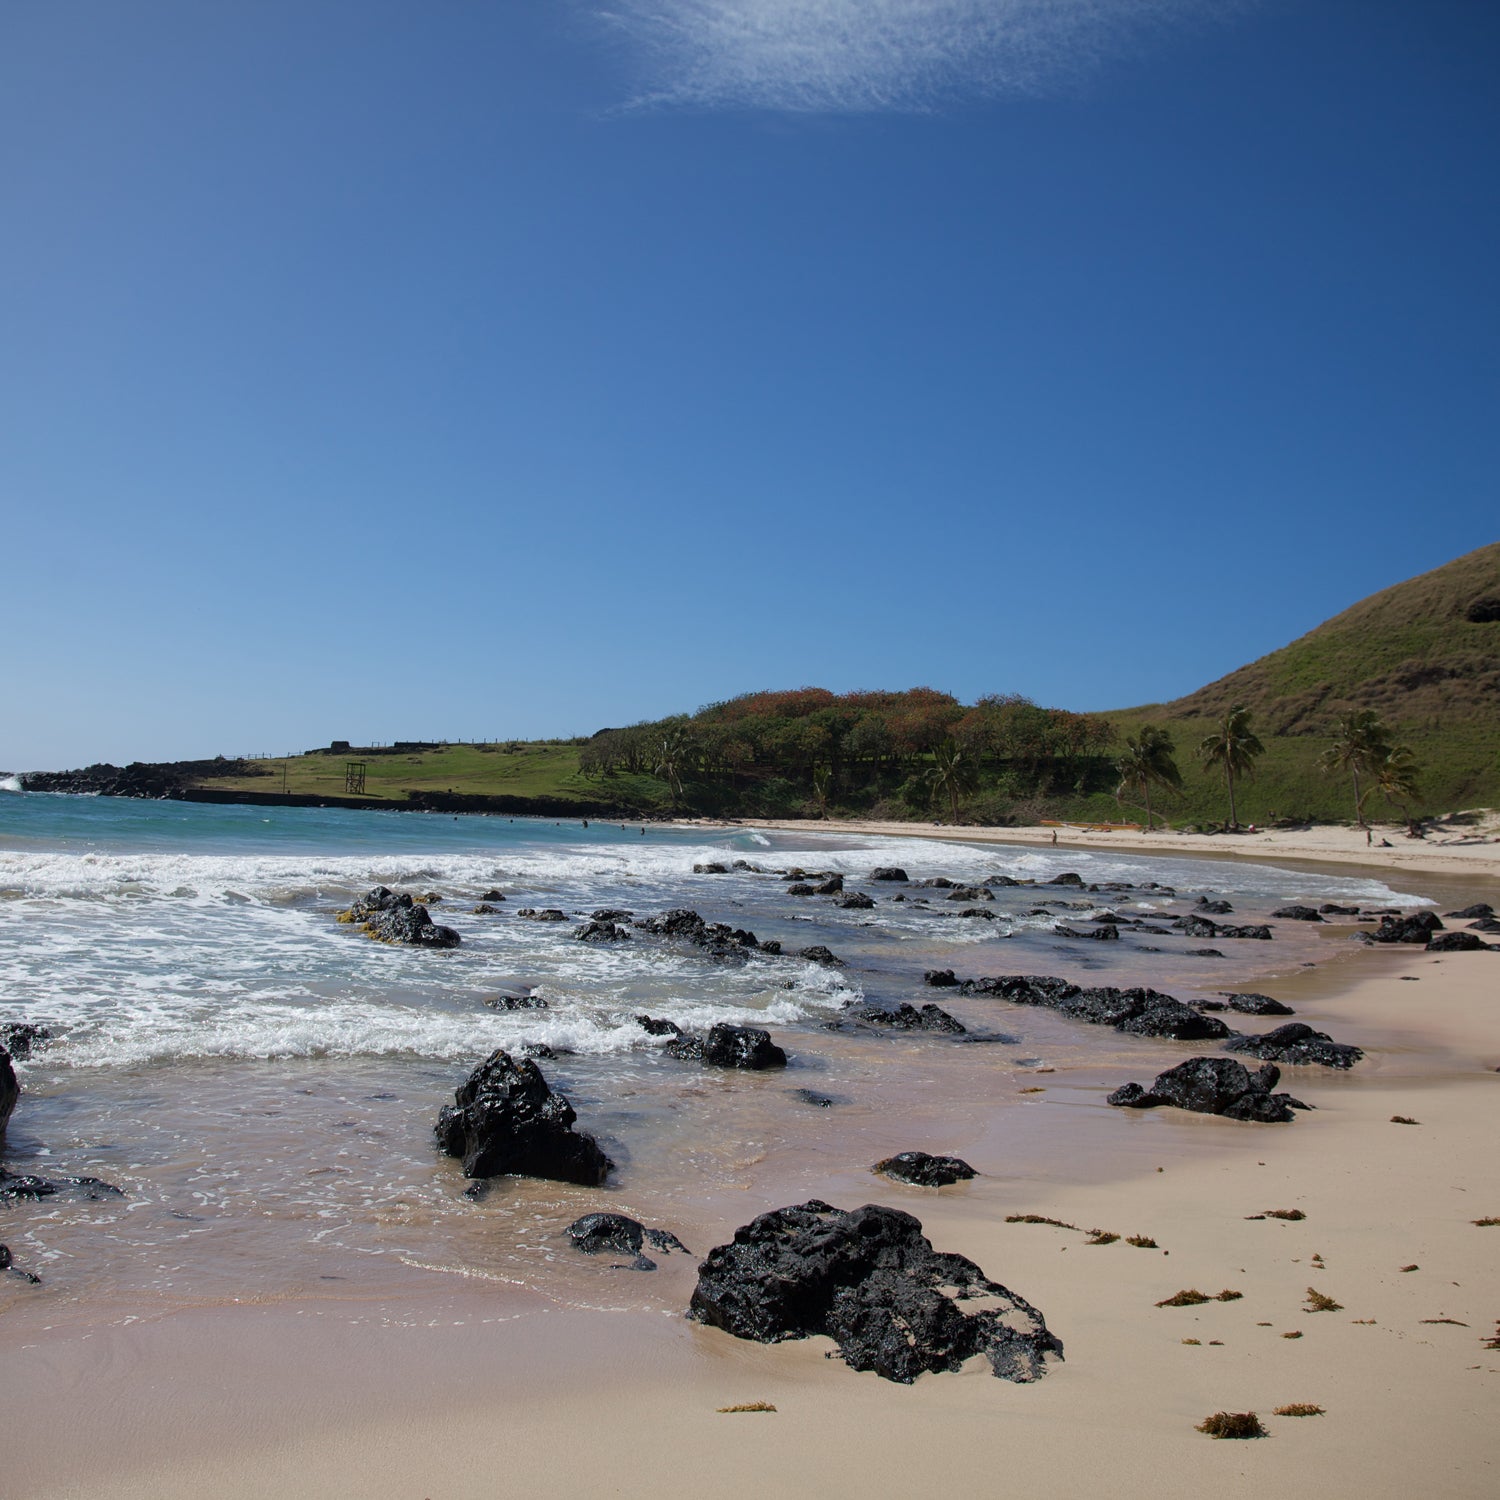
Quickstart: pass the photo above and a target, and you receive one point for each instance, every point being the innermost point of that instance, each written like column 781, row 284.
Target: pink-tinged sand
column 489, row 1391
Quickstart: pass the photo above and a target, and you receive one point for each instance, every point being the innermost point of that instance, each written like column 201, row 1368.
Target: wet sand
column 485, row 1387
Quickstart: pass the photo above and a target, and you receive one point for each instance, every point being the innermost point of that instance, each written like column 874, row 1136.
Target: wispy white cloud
column 845, row 56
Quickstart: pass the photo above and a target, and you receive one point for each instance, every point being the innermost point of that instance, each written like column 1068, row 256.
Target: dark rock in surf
column 653, row 1026
column 601, row 932
column 506, row 1120
column 15, row 1186
column 22, row 1038
column 1214, row 1086
column 390, row 917
column 748, row 1047
column 982, row 913
column 970, row 893
column 515, row 1002
column 1484, row 924
column 872, row 1282
column 1104, row 934
column 1255, row 930
column 611, row 914
column 907, row 1018
column 1417, row 928
column 594, row 1233
column 855, row 901
column 543, row 914
column 922, row 1170
column 888, row 872
column 1213, row 908
column 818, row 954
column 1333, row 909
column 1197, row 927
column 712, row 867
column 1295, row 913
column 7, row 1263
column 940, row 979
column 1479, row 909
column 817, row 1100
column 830, row 887
column 800, row 888
column 1250, row 1004
column 1297, row 1043
column 935, row 883
column 1068, row 878
column 10, row 1091
column 493, row 895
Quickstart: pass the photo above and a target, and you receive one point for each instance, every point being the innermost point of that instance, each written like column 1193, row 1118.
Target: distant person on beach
column 1054, row 835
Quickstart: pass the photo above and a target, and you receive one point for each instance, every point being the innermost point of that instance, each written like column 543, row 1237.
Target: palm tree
column 674, row 753
column 952, row 772
column 1234, row 746
column 1361, row 742
column 1396, row 779
column 1148, row 761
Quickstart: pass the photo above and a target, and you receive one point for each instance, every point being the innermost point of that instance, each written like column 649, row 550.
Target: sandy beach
column 487, row 1391
column 1461, row 851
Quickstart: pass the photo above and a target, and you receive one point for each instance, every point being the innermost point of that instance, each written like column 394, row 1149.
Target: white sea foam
column 10, row 784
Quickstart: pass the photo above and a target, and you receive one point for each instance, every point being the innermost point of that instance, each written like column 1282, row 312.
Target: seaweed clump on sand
column 1232, row 1424
column 1317, row 1302
column 871, row 1281
column 1298, row 1409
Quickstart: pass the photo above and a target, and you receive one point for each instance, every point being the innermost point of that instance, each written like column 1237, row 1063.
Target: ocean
column 261, row 1081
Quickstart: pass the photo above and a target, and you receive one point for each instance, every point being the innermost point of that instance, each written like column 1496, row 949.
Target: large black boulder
column 505, row 1119
column 922, row 1170
column 1250, row 930
column 10, row 1091
column 940, row 979
column 1479, row 909
column 870, row 1280
column 1295, row 913
column 741, row 1047
column 15, row 1185
column 1214, row 1086
column 888, row 872
column 1416, row 928
column 601, row 932
column 1457, row 942
column 394, row 917
column 1212, row 907
column 818, row 954
column 1297, row 1043
column 1066, row 879
column 595, row 1233
column 1105, row 934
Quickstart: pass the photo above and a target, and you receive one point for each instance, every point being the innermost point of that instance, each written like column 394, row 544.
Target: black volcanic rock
column 1104, row 934
column 741, row 1047
column 1458, row 942
column 1295, row 913
column 922, row 1170
column 396, row 918
column 1479, row 909
column 872, row 1282
column 10, row 1091
column 601, row 932
column 505, row 1119
column 888, row 872
column 1417, row 928
column 907, row 1018
column 1297, row 1043
column 939, row 979
column 22, row 1038
column 1251, row 1004
column 818, row 954
column 654, row 1027
column 1214, row 1086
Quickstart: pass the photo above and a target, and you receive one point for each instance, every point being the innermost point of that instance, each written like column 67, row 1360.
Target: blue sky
column 517, row 367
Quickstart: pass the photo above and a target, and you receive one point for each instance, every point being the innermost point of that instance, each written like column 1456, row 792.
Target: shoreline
column 1320, row 844
column 400, row 1396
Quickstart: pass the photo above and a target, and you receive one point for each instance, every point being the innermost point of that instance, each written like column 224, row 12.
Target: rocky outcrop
column 15, row 1186
column 506, row 1120
column 906, row 1017
column 888, row 872
column 871, row 1281
column 1211, row 907
column 940, row 979
column 1296, row 1043
column 395, row 918
column 1296, row 913
column 727, row 1046
column 516, row 1002
column 1214, row 1086
column 541, row 914
column 1142, row 1012
column 818, row 954
column 1478, row 909
column 1417, row 928
column 855, row 901
column 710, row 867
column 730, row 945
column 22, row 1038
column 1105, row 934
column 922, row 1170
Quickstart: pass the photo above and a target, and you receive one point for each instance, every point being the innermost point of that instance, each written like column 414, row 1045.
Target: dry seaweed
column 1039, row 1219
column 1189, row 1298
column 1227, row 1296
column 1485, row 1223
column 1141, row 1241
column 1317, row 1302
column 1298, row 1409
column 1232, row 1424
column 1404, row 1120
column 1296, row 1333
column 1291, row 1215
column 1192, row 1341
column 1411, row 1268
column 1101, row 1237
column 1453, row 1321
column 749, row 1406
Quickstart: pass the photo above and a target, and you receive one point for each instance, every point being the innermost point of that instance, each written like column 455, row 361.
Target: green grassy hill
column 1424, row 654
